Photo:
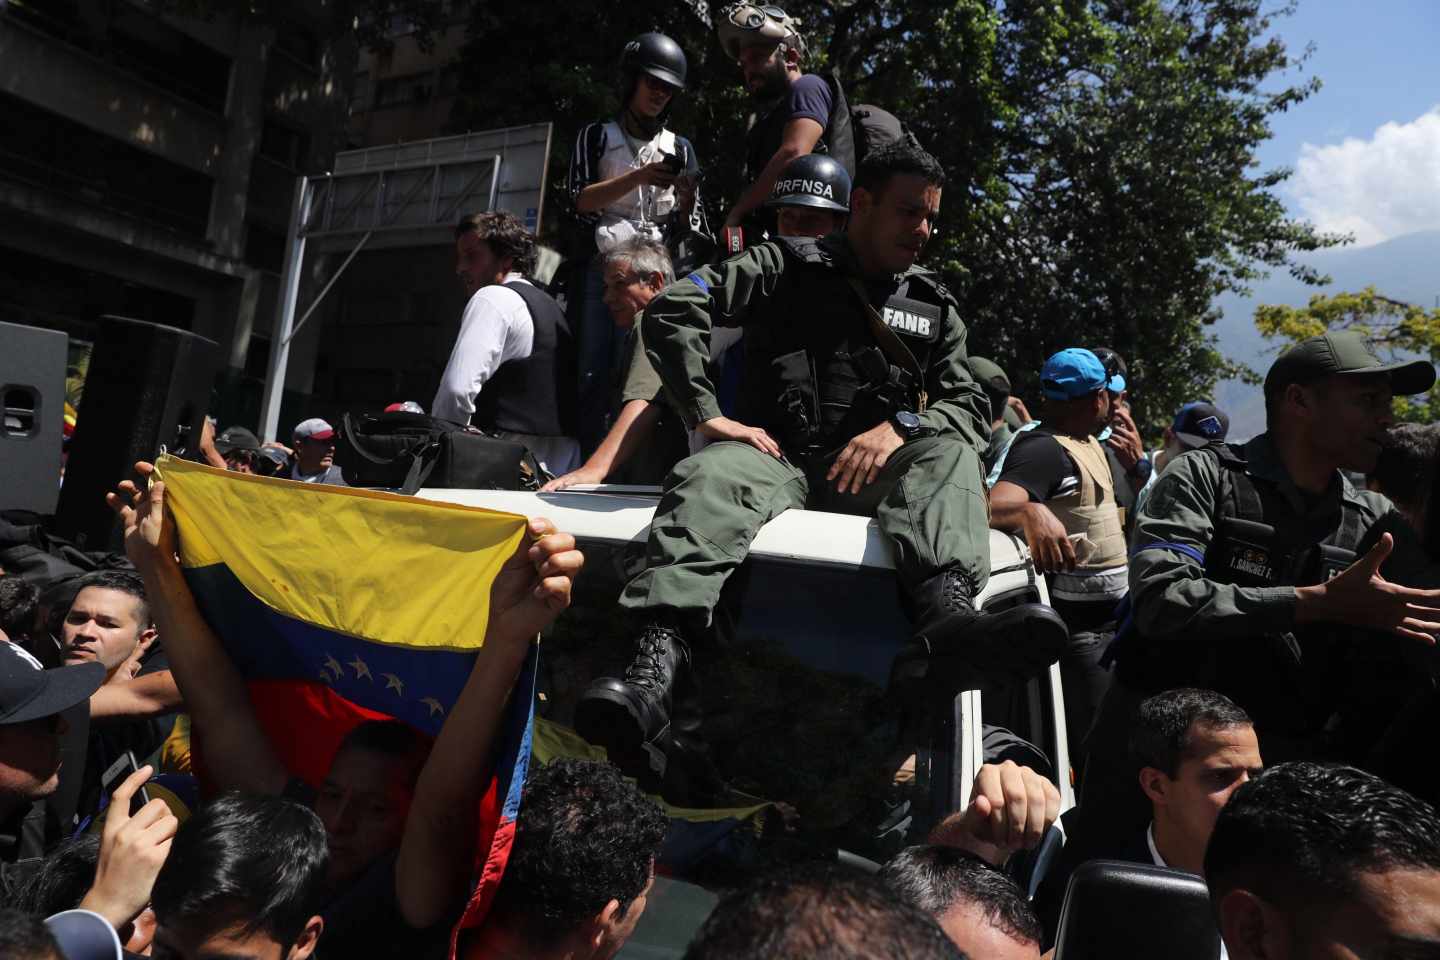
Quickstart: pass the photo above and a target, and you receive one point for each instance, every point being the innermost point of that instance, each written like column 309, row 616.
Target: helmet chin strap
column 646, row 125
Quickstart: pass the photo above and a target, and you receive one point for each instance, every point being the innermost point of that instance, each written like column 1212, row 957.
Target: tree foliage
column 1394, row 328
column 1101, row 153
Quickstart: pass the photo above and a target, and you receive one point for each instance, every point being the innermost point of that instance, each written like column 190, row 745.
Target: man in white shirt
column 1192, row 749
column 511, row 372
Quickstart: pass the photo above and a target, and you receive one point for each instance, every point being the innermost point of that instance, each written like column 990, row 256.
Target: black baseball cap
column 28, row 691
column 236, row 438
column 1344, row 352
column 1200, row 423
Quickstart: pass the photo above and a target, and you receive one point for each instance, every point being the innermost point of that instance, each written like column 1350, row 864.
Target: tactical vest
column 837, row 140
column 815, row 375
column 534, row 394
column 1259, row 541
column 1091, row 510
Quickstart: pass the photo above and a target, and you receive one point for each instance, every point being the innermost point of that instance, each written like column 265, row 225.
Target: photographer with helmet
column 631, row 178
column 795, row 113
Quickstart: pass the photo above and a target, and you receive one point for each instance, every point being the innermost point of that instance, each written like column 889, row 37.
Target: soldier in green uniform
column 1243, row 569
column 856, row 399
column 996, row 383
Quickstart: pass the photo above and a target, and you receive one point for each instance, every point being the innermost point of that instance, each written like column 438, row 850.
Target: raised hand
column 533, row 587
column 1360, row 597
column 149, row 528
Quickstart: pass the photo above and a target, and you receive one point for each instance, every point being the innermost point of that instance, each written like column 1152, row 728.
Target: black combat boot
column 630, row 718
column 1013, row 644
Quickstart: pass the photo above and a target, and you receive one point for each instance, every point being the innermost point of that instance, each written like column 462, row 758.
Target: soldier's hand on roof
column 723, row 428
column 149, row 528
column 1010, row 809
column 860, row 462
column 1360, row 597
column 584, row 476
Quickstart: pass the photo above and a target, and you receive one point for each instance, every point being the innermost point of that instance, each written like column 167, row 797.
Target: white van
column 813, row 612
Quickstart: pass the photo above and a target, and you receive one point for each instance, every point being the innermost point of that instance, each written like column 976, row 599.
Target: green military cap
column 1344, row 352
column 988, row 372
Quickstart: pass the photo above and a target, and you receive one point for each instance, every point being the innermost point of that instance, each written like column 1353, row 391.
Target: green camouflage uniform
column 929, row 499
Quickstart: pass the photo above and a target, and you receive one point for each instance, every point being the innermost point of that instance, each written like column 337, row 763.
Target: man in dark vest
column 512, row 370
column 858, row 400
column 1243, row 570
column 796, row 113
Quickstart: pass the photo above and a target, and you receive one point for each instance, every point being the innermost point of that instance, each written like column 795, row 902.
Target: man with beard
column 1244, row 576
column 797, row 113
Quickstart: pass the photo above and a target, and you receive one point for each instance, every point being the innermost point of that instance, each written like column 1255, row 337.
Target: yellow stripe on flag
column 551, row 741
column 372, row 565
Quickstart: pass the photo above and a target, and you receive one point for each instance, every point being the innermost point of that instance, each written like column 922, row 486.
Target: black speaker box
column 32, row 405
column 148, row 387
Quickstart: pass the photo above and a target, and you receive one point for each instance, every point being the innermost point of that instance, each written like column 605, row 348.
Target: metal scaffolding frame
column 403, row 195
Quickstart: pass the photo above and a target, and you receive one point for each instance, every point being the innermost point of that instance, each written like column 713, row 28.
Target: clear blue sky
column 1377, row 61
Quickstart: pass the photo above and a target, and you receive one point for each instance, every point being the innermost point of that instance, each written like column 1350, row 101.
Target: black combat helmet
column 657, row 55
column 813, row 180
column 660, row 57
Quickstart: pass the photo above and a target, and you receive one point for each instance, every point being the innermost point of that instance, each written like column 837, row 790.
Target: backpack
column 873, row 128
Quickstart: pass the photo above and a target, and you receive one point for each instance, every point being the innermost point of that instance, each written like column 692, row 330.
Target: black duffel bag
column 407, row 451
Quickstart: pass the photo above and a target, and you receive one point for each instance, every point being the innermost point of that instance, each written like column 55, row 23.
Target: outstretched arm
column 437, row 852
column 214, row 690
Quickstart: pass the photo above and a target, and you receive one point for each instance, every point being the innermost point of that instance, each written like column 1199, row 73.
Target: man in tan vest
column 1056, row 490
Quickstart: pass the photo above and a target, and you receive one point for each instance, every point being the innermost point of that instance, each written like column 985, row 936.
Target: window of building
column 55, row 153
column 412, row 88
column 282, row 143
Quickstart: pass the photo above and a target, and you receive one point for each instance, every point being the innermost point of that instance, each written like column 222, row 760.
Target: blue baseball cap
column 1114, row 365
column 1071, row 373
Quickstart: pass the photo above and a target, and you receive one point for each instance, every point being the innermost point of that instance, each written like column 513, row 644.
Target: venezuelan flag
column 340, row 605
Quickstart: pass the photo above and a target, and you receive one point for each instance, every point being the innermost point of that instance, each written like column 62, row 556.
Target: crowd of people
column 1244, row 631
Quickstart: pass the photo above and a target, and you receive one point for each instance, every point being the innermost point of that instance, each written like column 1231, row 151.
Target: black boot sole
column 1015, row 644
column 609, row 720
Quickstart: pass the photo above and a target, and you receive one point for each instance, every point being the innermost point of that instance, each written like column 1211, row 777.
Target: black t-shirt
column 1038, row 465
column 365, row 919
column 809, row 97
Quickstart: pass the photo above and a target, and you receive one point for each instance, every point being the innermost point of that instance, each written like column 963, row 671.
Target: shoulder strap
column 804, row 249
column 890, row 341
column 1238, row 497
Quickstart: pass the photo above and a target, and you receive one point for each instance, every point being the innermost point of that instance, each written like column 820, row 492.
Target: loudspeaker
column 32, row 416
column 148, row 386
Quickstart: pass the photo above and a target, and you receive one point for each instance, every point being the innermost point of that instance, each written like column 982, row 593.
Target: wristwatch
column 907, row 424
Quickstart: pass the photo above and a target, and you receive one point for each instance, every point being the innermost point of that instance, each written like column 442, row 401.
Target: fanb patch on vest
column 913, row 318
